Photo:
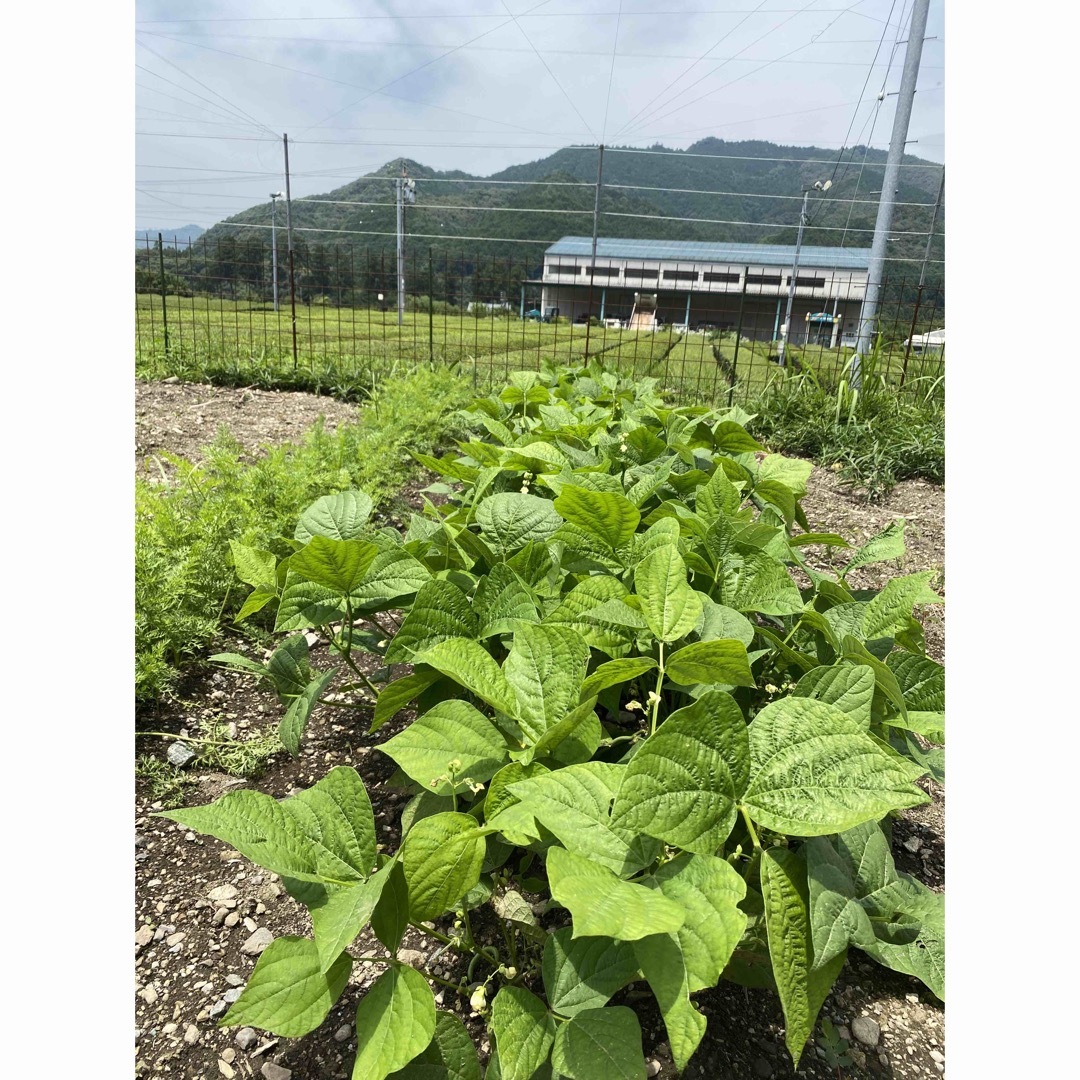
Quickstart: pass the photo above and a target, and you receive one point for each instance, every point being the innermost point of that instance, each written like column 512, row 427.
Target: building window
column 805, row 282
column 680, row 275
column 641, row 272
column 715, row 277
column 602, row 271
column 763, row 279
column 563, row 268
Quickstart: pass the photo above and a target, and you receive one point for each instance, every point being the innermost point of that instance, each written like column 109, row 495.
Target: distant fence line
column 202, row 307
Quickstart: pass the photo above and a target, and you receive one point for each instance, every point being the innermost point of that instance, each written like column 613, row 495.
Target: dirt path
column 202, row 911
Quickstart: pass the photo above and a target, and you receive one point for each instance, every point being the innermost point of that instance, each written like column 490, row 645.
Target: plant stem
column 659, row 683
column 750, row 828
column 433, row 933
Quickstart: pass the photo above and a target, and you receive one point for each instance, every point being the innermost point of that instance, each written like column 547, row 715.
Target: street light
column 818, row 186
column 274, row 196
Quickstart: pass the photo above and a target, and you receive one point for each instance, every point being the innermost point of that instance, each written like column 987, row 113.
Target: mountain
column 183, row 234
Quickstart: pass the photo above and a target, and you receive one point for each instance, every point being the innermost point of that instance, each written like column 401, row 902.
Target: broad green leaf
column 585, row 609
column 778, row 495
column 254, row 566
column 787, row 918
column 512, row 907
column 450, row 1055
column 925, row 956
column 572, row 739
column 662, row 533
column 288, row 667
column 603, row 905
column 826, row 539
column 813, row 770
column 718, row 621
column 468, row 663
column 502, row 602
column 719, row 497
column 733, row 438
column 757, row 582
column 238, row 660
column 305, row 603
column 574, row 803
column 600, row 1044
column 395, row 1021
column 440, row 611
column 709, row 892
column 721, row 661
column 544, row 671
column 888, row 613
column 585, row 972
column 499, row 796
column 512, row 519
column 930, row 725
column 921, row 681
column 337, row 517
column 451, row 731
column 341, row 913
column 524, row 1032
column 296, row 716
column 336, row 564
column 614, row 673
column 661, row 960
column 888, row 544
column 855, row 651
column 671, row 608
column 256, row 600
column 683, row 783
column 650, row 482
column 390, row 916
column 393, row 575
column 791, row 472
column 288, row 993
column 850, row 687
column 396, row 695
column 612, row 518
column 442, row 861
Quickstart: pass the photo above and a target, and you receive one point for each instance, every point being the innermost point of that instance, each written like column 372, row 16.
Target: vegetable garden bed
column 198, row 888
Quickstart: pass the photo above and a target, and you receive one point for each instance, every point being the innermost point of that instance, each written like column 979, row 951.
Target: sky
column 493, row 83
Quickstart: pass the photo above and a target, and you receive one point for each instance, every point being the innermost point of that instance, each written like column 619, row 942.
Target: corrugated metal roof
column 694, row 250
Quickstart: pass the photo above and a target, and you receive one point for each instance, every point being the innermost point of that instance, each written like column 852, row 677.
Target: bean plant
column 636, row 701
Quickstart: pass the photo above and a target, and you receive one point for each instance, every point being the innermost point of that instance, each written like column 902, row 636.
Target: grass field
column 346, row 351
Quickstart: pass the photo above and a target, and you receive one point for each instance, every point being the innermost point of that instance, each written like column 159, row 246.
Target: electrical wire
column 611, row 73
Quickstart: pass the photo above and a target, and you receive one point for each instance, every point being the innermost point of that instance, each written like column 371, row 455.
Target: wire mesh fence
column 219, row 311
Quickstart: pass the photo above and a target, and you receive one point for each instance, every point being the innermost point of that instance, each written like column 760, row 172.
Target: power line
column 611, row 73
column 746, row 157
column 744, row 194
column 723, row 221
column 213, row 104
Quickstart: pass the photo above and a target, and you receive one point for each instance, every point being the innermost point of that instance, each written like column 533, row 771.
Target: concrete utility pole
column 406, row 189
column 292, row 265
column 912, row 56
column 794, row 275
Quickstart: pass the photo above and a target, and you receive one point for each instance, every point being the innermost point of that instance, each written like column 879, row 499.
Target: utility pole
column 922, row 276
column 912, row 56
column 818, row 186
column 406, row 192
column 274, row 196
column 292, row 269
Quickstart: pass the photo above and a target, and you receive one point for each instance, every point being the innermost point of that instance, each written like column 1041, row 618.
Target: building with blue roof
column 693, row 285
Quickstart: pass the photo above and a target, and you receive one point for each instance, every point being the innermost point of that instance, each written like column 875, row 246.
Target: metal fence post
column 164, row 308
column 738, row 339
column 431, row 305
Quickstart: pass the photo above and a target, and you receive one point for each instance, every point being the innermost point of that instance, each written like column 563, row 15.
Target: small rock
column 191, row 1035
column 857, row 1056
column 175, row 939
column 246, row 1038
column 226, row 1069
column 149, row 995
column 251, row 925
column 231, row 995
column 912, row 999
column 229, row 1055
column 343, row 1033
column 652, row 1067
column 866, row 1030
column 179, row 754
column 168, row 1029
column 913, row 843
column 232, row 919
column 144, row 935
column 762, row 1067
column 234, row 980
column 938, row 1056
column 273, row 1071
column 844, row 1033
column 217, row 1009
column 259, row 941
column 220, row 916
column 222, row 892
column 413, row 957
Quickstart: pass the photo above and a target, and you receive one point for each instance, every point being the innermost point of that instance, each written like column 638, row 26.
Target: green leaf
column 889, row 612
column 614, row 673
column 572, row 739
column 757, row 582
column 337, row 564
column 574, row 804
column 337, row 517
column 930, row 725
column 305, row 603
column 393, row 575
column 524, row 1032
column 813, row 770
column 682, row 784
column 718, row 498
column 396, row 695
column 585, row 609
column 238, row 660
column 468, row 663
column 288, row 993
column 600, row 1044
column 888, row 544
column 442, row 861
column 925, row 956
column 778, row 495
column 440, row 611
column 512, row 519
column 544, row 671
column 451, row 731
column 502, row 602
column 340, row 913
column 296, row 716
column 709, row 891
column 584, row 973
column 390, row 917
column 256, row 600
column 395, row 1021
column 661, row 960
column 671, row 608
column 921, row 681
column 733, row 438
column 855, row 651
column 718, row 621
column 791, row 472
column 450, row 1055
column 721, row 661
column 850, row 687
column 603, row 905
column 288, row 667
column 827, row 539
column 610, row 517
column 254, row 566
column 787, row 919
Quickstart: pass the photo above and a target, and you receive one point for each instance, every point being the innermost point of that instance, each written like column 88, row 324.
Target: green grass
column 184, row 585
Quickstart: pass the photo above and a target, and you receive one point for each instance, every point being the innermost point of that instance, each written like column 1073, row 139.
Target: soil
column 190, row 948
